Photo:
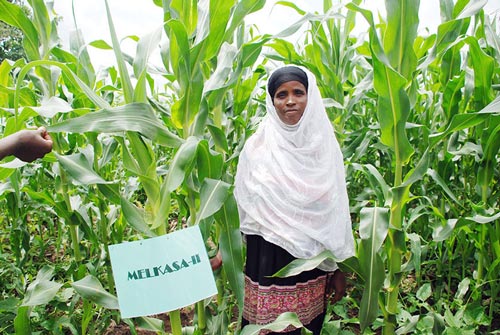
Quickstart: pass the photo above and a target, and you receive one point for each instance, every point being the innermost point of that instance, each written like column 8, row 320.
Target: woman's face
column 290, row 101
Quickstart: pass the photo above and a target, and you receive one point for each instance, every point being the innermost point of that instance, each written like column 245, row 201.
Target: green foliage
column 141, row 152
column 10, row 43
column 11, row 39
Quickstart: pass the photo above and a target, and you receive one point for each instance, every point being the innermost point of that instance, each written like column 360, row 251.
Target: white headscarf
column 290, row 184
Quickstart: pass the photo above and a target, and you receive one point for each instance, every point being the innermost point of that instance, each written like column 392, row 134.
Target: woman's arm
column 336, row 285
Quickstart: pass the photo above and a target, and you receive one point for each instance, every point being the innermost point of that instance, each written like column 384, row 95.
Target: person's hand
column 28, row 145
column 216, row 261
column 336, row 285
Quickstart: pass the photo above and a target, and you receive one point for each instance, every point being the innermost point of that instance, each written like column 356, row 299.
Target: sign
column 161, row 274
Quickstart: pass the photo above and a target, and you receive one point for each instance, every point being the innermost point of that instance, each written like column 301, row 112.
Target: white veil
column 290, row 184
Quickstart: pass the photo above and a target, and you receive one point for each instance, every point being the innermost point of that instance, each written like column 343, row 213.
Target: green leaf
column 210, row 163
column 424, row 292
column 493, row 107
column 285, row 49
column 145, row 161
column 180, row 164
column 490, row 142
column 42, row 289
column 393, row 107
column 149, row 323
column 484, row 68
column 220, row 76
column 135, row 218
column 373, row 268
column 437, row 178
column 101, row 44
column 85, row 70
column 377, row 181
column 213, row 194
column 179, row 50
column 80, row 169
column 463, row 288
column 9, row 305
column 459, row 122
column 187, row 12
column 448, row 34
column 219, row 137
column 472, row 8
column 42, row 24
column 250, row 52
column 443, row 232
column 373, row 228
column 90, row 288
column 185, row 110
column 351, row 264
column 69, row 75
column 393, row 110
column 137, row 117
column 418, row 172
column 52, row 106
column 124, row 76
column 231, row 247
column 308, row 17
column 400, row 34
column 374, row 225
column 220, row 12
column 145, row 48
column 291, row 5
column 14, row 15
column 300, row 265
column 242, row 9
column 484, row 219
column 282, row 322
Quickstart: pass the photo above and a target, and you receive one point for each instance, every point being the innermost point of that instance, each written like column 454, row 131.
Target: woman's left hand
column 335, row 286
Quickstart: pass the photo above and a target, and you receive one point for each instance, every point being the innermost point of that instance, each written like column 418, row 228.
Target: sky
column 139, row 17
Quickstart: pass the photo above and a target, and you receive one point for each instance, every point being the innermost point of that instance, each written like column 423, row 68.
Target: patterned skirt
column 266, row 298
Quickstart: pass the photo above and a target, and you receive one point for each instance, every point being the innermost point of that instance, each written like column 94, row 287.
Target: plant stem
column 162, row 229
column 175, row 322
column 74, row 242
column 494, row 294
column 390, row 325
column 72, row 227
column 482, row 239
column 395, row 254
column 202, row 319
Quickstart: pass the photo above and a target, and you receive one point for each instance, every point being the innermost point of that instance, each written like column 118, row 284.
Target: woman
column 292, row 199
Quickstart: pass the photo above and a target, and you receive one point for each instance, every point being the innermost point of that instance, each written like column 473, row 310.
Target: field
column 142, row 149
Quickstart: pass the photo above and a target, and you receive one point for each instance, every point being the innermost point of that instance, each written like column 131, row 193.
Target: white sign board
column 161, row 274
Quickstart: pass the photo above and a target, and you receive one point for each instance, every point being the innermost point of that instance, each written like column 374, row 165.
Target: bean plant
column 144, row 149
